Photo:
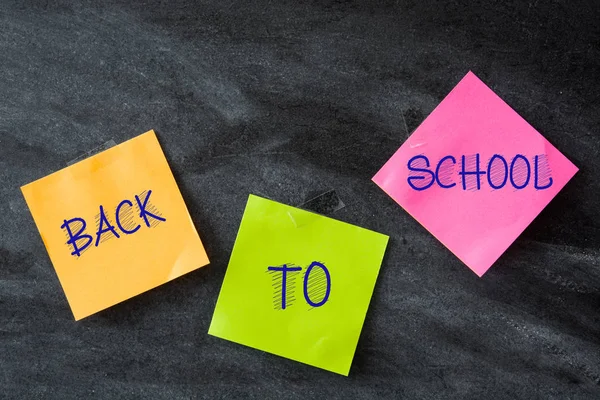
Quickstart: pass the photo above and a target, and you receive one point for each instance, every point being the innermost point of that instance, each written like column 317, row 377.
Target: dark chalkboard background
column 288, row 99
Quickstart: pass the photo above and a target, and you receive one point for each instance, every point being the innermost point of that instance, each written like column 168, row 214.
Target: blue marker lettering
column 422, row 170
column 327, row 288
column 284, row 268
column 445, row 171
column 477, row 172
column 519, row 171
column 118, row 218
column 143, row 212
column 545, row 172
column 79, row 235
column 109, row 227
column 493, row 172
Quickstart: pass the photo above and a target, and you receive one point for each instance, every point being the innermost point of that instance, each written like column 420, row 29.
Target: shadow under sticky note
column 115, row 225
column 298, row 284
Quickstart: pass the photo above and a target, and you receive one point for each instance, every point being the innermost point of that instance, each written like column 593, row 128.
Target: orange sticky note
column 115, row 225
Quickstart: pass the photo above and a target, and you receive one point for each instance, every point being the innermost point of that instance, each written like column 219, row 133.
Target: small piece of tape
column 95, row 150
column 324, row 204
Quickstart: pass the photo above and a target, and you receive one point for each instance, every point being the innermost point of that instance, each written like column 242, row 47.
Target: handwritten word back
column 122, row 217
column 499, row 172
column 95, row 217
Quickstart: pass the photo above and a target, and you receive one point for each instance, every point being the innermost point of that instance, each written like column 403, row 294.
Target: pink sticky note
column 475, row 174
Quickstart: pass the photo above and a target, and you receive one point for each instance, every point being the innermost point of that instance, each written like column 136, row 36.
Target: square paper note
column 298, row 285
column 475, row 174
column 115, row 225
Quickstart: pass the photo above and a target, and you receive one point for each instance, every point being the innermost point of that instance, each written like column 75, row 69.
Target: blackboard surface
column 289, row 99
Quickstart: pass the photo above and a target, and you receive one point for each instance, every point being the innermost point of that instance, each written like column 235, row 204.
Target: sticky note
column 475, row 174
column 115, row 225
column 298, row 285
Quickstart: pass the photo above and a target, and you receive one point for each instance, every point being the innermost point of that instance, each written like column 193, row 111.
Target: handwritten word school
column 499, row 172
column 318, row 285
column 123, row 218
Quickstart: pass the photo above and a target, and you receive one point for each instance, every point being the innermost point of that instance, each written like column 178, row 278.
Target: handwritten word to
column 123, row 218
column 319, row 285
column 499, row 172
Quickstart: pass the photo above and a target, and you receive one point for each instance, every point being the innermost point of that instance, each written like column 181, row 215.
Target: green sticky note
column 329, row 267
